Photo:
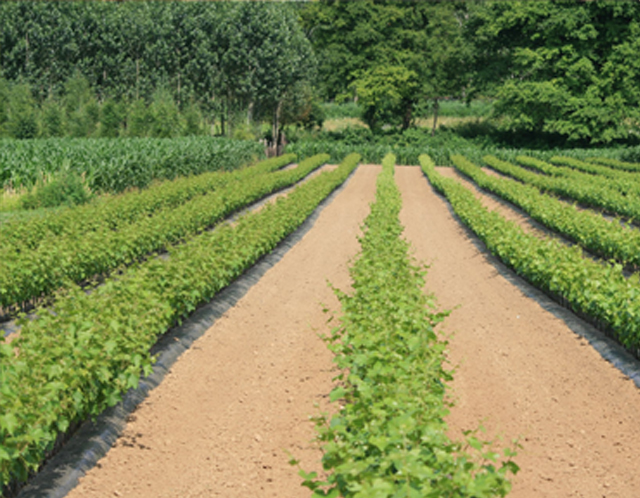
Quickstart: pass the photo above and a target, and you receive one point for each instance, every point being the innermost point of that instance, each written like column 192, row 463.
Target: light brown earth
column 522, row 371
column 221, row 423
column 223, row 420
column 493, row 203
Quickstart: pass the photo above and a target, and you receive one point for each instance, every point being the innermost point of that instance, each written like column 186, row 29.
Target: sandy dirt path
column 521, row 370
column 493, row 203
column 222, row 421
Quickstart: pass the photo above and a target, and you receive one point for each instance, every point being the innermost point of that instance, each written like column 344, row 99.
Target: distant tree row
column 229, row 58
column 77, row 113
column 565, row 67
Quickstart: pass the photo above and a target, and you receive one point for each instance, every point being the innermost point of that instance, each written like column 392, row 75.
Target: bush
column 111, row 117
column 22, row 122
column 66, row 189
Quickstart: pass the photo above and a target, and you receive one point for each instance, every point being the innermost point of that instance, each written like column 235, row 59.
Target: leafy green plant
column 114, row 166
column 599, row 291
column 602, row 237
column 588, row 190
column 98, row 248
column 66, row 188
column 388, row 438
column 81, row 356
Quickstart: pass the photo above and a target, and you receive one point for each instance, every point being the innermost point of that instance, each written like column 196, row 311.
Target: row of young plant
column 371, row 152
column 388, row 437
column 78, row 358
column 592, row 193
column 619, row 183
column 26, row 275
column 596, row 290
column 625, row 182
column 594, row 169
column 615, row 163
column 114, row 165
column 115, row 212
column 604, row 238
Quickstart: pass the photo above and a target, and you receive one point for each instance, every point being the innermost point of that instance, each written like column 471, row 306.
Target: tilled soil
column 222, row 423
column 521, row 371
column 225, row 419
column 494, row 203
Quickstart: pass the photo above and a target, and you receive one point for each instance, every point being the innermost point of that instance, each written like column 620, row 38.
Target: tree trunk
column 179, row 88
column 137, row 78
column 275, row 127
column 436, row 107
column 408, row 115
column 222, row 115
column 26, row 63
column 250, row 113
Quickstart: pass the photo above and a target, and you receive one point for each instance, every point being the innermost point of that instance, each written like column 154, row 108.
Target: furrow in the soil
column 520, row 368
column 237, row 404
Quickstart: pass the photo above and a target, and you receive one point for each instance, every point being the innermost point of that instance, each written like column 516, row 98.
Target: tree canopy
column 570, row 67
column 562, row 67
column 228, row 55
column 390, row 55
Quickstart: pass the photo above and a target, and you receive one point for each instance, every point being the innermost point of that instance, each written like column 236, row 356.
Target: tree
column 165, row 115
column 568, row 68
column 264, row 57
column 111, row 117
column 385, row 93
column 446, row 63
column 53, row 124
column 4, row 105
column 389, row 55
column 23, row 121
column 83, row 112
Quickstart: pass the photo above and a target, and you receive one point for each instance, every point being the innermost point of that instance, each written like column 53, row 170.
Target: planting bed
column 520, row 367
column 236, row 405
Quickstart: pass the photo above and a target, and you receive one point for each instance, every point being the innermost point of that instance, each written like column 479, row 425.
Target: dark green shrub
column 111, row 117
column 52, row 119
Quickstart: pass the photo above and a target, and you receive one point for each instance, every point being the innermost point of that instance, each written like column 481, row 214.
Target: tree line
column 567, row 68
column 563, row 67
column 229, row 60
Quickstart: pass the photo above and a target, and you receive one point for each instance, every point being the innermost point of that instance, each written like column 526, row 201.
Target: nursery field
column 234, row 409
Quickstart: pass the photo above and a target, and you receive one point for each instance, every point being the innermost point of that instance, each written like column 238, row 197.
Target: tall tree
column 264, row 57
column 388, row 54
column 569, row 68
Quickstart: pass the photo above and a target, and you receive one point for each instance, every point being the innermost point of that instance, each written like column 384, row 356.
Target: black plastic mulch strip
column 93, row 440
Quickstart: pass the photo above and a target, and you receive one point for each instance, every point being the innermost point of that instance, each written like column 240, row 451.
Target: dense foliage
column 81, row 358
column 392, row 55
column 389, row 438
column 569, row 68
column 555, row 70
column 247, row 57
column 116, row 165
